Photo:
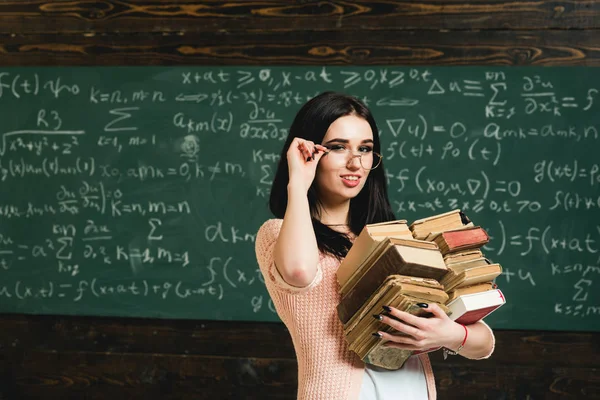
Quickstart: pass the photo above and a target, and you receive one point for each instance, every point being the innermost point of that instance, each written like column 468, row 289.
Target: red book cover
column 465, row 238
column 470, row 317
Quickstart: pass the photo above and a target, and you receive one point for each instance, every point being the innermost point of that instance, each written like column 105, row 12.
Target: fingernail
column 308, row 158
column 377, row 316
column 387, row 308
column 377, row 335
column 423, row 305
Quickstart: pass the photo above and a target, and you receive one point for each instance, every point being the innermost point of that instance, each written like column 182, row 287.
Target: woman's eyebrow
column 347, row 141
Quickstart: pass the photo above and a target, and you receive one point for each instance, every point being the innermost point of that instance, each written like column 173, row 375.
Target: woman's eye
column 337, row 148
column 365, row 149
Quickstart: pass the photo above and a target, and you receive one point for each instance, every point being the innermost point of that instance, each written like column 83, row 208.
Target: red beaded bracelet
column 453, row 353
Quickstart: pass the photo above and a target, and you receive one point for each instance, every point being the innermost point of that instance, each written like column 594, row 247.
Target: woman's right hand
column 303, row 157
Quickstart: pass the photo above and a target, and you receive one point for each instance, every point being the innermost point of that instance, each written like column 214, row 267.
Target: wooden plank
column 67, row 375
column 580, row 48
column 253, row 339
column 557, row 349
column 120, row 335
column 76, row 375
column 516, row 382
column 35, row 16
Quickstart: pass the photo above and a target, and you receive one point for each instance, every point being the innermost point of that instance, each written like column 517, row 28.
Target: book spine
column 372, row 279
column 460, row 239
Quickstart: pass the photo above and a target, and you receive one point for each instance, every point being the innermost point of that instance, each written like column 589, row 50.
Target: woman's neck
column 335, row 215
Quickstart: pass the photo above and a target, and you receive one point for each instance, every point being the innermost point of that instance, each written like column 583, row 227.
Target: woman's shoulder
column 269, row 229
column 273, row 224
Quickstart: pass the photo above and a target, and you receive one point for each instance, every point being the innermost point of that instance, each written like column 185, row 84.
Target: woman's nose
column 354, row 161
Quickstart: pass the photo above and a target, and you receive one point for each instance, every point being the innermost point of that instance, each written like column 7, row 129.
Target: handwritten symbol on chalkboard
column 190, row 146
column 34, row 132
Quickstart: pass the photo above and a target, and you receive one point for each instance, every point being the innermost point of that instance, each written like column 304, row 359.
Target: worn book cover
column 399, row 257
column 366, row 242
column 413, row 258
column 372, row 350
column 430, row 290
column 382, row 248
column 464, row 265
column 472, row 276
column 432, row 235
column 421, row 228
column 470, row 238
column 462, row 255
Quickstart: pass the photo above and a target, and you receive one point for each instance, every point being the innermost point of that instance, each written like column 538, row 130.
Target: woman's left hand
column 422, row 333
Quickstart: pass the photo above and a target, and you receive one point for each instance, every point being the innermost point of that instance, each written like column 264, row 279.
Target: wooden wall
column 54, row 357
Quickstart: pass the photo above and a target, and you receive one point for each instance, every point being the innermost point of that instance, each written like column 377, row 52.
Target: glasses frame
column 376, row 157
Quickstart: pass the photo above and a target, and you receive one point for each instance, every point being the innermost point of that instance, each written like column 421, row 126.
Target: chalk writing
column 139, row 191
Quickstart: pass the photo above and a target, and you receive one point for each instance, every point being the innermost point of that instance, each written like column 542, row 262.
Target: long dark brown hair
column 371, row 205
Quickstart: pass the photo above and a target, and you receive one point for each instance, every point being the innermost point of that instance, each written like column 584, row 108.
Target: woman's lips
column 351, row 183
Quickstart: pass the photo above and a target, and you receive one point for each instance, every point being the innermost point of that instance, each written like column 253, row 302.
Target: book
column 389, row 357
column 432, row 235
column 429, row 290
column 471, row 276
column 363, row 324
column 458, row 267
column 470, row 308
column 366, row 242
column 376, row 253
column 366, row 262
column 443, row 264
column 421, row 228
column 476, row 288
column 469, row 238
column 462, row 255
column 395, row 257
column 388, row 293
column 366, row 346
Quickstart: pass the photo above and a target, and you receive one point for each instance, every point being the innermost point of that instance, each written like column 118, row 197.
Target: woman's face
column 340, row 174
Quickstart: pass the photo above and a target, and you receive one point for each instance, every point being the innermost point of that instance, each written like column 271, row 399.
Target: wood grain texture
column 242, row 339
column 58, row 357
column 79, row 375
column 122, row 335
column 516, row 382
column 308, row 48
column 128, row 16
column 98, row 358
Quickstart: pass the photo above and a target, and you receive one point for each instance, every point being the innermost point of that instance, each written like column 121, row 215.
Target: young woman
column 330, row 182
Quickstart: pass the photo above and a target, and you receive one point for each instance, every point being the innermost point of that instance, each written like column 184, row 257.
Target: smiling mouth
column 350, row 181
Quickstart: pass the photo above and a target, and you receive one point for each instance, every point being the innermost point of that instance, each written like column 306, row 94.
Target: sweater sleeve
column 266, row 238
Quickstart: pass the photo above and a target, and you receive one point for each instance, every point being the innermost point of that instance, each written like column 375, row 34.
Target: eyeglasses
column 368, row 159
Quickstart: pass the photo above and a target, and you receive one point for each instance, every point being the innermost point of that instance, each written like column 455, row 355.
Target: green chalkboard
column 138, row 191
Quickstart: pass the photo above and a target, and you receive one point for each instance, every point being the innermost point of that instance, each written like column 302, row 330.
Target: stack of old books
column 367, row 247
column 396, row 265
column 460, row 243
column 386, row 266
column 399, row 291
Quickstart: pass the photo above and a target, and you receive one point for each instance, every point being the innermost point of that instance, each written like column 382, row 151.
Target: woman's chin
column 348, row 193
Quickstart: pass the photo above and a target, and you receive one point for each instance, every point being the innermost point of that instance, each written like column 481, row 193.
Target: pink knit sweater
column 327, row 370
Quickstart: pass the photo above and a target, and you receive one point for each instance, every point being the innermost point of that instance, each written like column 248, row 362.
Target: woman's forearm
column 479, row 342
column 296, row 250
